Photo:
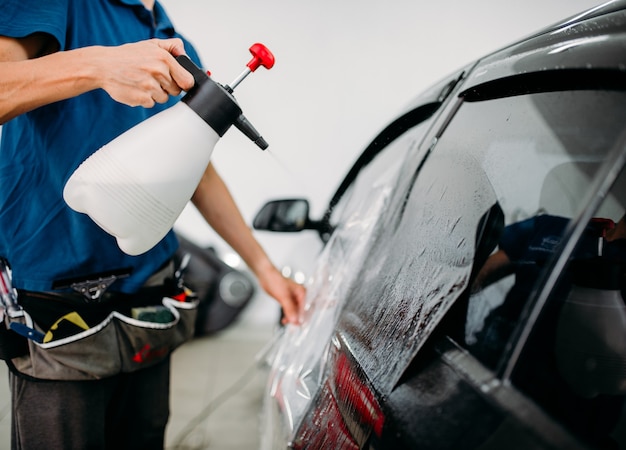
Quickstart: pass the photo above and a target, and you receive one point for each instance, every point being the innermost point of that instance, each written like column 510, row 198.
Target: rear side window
column 574, row 362
column 540, row 153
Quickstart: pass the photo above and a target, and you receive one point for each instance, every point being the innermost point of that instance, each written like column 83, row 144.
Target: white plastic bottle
column 136, row 186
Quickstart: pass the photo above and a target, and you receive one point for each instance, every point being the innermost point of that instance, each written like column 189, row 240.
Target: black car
column 223, row 291
column 470, row 289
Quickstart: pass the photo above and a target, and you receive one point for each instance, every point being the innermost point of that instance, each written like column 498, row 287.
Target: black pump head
column 216, row 105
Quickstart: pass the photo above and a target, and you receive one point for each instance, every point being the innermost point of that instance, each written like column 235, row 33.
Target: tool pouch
column 12, row 344
column 118, row 343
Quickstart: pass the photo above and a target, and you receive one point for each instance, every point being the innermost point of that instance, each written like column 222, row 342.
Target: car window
column 574, row 362
column 541, row 159
column 499, row 163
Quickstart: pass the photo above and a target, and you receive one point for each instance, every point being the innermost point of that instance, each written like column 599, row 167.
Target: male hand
column 143, row 73
column 287, row 292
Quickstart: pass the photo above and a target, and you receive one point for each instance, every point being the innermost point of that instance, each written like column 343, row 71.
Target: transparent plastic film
column 298, row 359
column 423, row 273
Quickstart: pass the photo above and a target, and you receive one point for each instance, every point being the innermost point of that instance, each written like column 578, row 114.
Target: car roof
column 591, row 41
column 597, row 11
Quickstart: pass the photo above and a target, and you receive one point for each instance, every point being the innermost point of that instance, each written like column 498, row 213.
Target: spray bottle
column 137, row 185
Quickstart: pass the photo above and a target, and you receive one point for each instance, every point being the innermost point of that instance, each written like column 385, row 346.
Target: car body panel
column 568, row 53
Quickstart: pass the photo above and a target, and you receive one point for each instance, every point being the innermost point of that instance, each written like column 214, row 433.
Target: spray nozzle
column 261, row 56
column 216, row 104
column 246, row 128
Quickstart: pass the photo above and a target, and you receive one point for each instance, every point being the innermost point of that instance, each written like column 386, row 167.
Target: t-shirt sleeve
column 20, row 18
column 533, row 239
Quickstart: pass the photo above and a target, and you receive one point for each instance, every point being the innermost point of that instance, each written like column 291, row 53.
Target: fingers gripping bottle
column 137, row 185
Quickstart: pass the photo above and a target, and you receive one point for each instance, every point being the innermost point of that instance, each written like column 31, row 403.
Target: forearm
column 137, row 74
column 496, row 266
column 217, row 206
column 31, row 83
column 215, row 203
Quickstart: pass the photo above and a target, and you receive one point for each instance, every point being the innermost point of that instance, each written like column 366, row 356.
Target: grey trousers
column 127, row 411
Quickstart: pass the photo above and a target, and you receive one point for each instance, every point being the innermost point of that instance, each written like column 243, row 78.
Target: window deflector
column 606, row 176
column 548, row 81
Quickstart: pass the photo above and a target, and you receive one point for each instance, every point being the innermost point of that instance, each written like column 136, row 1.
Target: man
column 74, row 74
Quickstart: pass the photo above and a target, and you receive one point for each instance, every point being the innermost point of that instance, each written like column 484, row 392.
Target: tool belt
column 72, row 339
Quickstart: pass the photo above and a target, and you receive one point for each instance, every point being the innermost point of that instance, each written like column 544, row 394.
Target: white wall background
column 343, row 69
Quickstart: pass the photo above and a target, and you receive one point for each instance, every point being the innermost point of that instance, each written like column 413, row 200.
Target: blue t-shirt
column 529, row 244
column 41, row 237
column 533, row 241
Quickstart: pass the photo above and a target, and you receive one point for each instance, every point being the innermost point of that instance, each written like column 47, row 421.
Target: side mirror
column 283, row 215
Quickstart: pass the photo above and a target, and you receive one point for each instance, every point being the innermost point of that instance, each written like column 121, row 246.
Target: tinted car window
column 574, row 363
column 540, row 158
column 498, row 163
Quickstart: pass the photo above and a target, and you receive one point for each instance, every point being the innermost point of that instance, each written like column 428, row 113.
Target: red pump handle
column 261, row 57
